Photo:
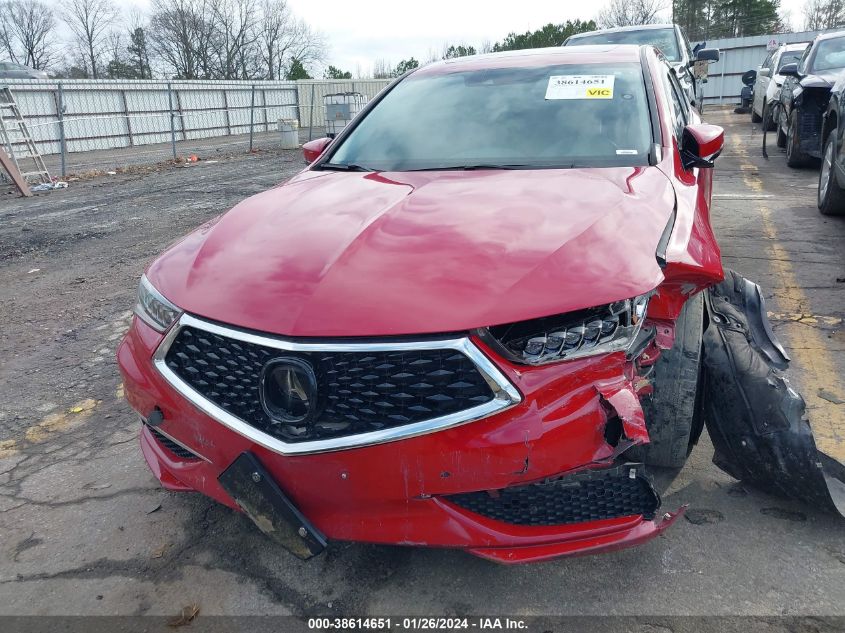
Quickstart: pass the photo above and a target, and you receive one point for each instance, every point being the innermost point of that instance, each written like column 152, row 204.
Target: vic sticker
column 580, row 87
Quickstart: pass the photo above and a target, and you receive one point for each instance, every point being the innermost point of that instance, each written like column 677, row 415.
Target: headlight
column 601, row 330
column 153, row 309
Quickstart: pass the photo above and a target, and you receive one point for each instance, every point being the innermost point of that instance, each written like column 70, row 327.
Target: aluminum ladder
column 17, row 141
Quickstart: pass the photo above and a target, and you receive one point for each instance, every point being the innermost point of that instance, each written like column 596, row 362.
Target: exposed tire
column 755, row 118
column 831, row 197
column 780, row 141
column 794, row 156
column 673, row 413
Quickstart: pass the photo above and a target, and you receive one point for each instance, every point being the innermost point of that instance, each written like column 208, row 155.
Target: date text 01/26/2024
column 417, row 624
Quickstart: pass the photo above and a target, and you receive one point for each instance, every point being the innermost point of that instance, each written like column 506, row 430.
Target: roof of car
column 829, row 36
column 620, row 29
column 593, row 54
column 800, row 46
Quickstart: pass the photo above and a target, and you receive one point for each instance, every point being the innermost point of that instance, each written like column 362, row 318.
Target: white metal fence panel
column 741, row 54
column 103, row 114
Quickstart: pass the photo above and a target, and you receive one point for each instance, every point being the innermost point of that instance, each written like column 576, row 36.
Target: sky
column 361, row 31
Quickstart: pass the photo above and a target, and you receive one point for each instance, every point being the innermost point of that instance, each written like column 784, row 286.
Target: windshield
column 789, row 57
column 553, row 116
column 830, row 54
column 664, row 39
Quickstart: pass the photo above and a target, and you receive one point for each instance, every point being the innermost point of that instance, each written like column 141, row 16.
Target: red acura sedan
column 468, row 323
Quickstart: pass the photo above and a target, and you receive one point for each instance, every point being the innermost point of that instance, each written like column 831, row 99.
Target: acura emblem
column 288, row 390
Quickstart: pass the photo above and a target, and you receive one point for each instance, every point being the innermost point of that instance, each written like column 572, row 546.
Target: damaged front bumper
column 541, row 479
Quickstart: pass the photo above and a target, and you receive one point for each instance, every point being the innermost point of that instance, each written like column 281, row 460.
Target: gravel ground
column 87, row 530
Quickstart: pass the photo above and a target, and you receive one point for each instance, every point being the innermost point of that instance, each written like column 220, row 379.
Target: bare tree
column 823, row 14
column 90, row 22
column 485, row 47
column 27, row 31
column 181, row 35
column 282, row 37
column 382, row 69
column 235, row 24
column 630, row 13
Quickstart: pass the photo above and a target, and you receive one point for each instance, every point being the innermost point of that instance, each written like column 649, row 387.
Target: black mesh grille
column 358, row 392
column 588, row 496
column 172, row 446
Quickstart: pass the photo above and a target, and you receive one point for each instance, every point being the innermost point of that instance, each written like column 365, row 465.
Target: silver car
column 672, row 42
column 769, row 80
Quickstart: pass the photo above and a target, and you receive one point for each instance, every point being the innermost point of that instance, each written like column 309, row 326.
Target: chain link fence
column 78, row 125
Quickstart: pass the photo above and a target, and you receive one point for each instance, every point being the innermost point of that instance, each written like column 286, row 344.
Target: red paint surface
column 352, row 254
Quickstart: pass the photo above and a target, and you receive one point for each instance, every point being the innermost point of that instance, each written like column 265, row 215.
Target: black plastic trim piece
column 663, row 243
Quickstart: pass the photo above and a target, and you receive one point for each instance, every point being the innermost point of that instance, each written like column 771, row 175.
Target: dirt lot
column 87, row 530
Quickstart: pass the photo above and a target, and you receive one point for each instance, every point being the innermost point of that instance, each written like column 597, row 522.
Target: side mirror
column 314, row 149
column 701, row 144
column 789, row 70
column 707, row 55
column 765, row 72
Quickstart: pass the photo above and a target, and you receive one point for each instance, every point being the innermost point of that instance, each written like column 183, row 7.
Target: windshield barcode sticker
column 580, row 87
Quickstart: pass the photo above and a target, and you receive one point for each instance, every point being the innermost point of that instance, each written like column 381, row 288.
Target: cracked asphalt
column 86, row 529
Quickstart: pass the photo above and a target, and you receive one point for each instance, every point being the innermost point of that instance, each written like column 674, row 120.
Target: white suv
column 768, row 82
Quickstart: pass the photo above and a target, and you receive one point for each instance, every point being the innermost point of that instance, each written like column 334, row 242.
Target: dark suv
column 804, row 98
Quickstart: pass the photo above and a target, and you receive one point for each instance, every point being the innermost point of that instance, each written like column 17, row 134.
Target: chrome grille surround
column 505, row 394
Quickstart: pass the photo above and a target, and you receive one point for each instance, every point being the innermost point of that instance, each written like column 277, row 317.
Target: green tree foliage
column 336, row 73
column 139, row 58
column 549, row 35
column 459, row 51
column 404, row 66
column 296, row 71
column 711, row 19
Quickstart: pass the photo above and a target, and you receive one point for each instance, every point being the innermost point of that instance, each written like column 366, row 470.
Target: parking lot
column 87, row 529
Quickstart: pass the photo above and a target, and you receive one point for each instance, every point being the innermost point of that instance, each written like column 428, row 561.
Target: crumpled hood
column 372, row 254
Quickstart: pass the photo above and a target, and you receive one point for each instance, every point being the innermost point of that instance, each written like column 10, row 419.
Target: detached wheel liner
column 672, row 414
column 755, row 418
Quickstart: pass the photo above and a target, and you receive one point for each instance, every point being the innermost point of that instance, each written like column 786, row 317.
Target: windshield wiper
column 342, row 167
column 490, row 166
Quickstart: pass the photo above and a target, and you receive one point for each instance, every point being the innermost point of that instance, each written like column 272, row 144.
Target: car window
column 767, row 63
column 664, row 39
column 830, row 54
column 789, row 57
column 541, row 116
column 802, row 63
column 677, row 104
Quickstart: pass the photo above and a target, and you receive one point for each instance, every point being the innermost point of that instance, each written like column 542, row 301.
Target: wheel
column 755, row 118
column 673, row 413
column 768, row 120
column 831, row 198
column 794, row 156
column 780, row 141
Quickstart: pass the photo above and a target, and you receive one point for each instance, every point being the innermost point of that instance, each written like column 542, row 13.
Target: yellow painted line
column 808, row 347
column 56, row 422
column 8, row 448
column 809, row 319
